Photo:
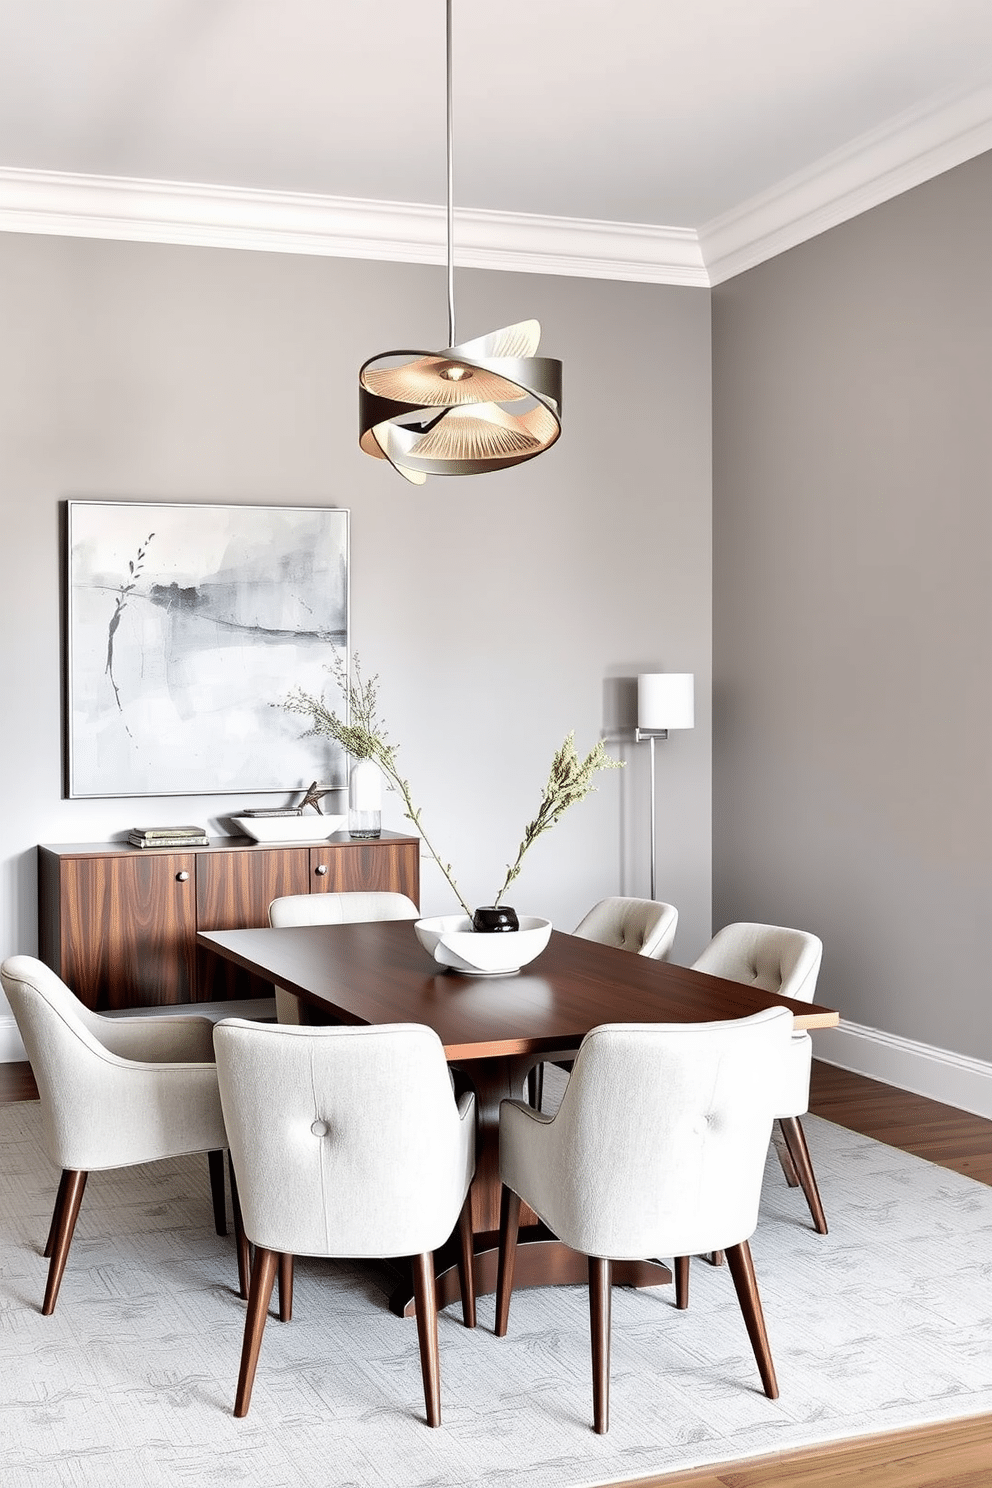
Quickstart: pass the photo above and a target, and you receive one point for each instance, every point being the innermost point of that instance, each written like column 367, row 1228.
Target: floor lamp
column 664, row 701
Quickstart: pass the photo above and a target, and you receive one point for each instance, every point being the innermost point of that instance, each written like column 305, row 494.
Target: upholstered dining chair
column 347, row 1142
column 332, row 909
column 657, row 1149
column 644, row 926
column 784, row 961
column 115, row 1092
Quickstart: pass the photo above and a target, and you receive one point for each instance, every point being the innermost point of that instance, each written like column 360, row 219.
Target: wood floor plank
column 956, row 1454
column 16, row 1083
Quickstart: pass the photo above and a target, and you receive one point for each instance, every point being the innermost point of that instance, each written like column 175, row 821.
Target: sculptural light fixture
column 445, row 412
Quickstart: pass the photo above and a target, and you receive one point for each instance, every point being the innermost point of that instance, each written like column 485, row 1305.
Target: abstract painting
column 187, row 626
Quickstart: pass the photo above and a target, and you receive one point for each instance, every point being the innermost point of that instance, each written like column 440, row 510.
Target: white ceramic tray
column 306, row 828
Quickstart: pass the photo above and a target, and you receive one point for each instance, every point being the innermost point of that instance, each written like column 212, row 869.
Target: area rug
column 882, row 1324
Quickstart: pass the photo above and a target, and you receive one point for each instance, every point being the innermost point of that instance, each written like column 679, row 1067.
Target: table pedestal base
column 541, row 1260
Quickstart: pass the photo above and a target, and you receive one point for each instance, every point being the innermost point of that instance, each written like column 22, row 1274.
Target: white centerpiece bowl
column 452, row 942
column 308, row 828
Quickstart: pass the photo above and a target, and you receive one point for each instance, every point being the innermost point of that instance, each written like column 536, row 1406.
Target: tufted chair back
column 657, row 1149
column 340, row 909
column 771, row 957
column 659, row 1144
column 640, row 925
column 345, row 1141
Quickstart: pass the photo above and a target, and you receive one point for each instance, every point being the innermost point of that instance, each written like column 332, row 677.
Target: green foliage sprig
column 363, row 735
column 570, row 781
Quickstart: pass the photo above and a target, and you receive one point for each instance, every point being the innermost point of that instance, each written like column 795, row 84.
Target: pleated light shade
column 454, row 412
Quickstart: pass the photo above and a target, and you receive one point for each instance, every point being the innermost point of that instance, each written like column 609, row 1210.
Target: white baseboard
column 954, row 1079
column 11, row 1048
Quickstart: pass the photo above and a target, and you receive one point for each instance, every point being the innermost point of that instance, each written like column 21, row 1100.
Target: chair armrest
column 168, row 1040
column 109, row 1112
column 539, row 1118
column 793, row 1096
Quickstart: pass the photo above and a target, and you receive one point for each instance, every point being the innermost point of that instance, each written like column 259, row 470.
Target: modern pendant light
column 457, row 411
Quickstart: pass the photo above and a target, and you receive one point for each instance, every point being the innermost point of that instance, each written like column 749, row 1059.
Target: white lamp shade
column 665, row 700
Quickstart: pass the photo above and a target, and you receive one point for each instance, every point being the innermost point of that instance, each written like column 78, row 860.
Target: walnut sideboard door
column 233, row 891
column 382, row 864
column 120, row 929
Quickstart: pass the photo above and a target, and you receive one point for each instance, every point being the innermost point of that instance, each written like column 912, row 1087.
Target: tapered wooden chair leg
column 788, row 1166
column 263, row 1274
column 67, row 1216
column 681, row 1282
column 600, row 1279
column 425, row 1298
column 53, row 1228
column 216, row 1161
column 285, row 1288
column 240, row 1238
column 795, row 1141
column 746, row 1286
column 466, row 1262
column 509, row 1225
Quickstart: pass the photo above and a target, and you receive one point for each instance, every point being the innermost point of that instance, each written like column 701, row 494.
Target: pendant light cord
column 450, row 212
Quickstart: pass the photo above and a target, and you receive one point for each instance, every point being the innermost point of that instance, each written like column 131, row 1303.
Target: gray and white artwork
column 186, row 624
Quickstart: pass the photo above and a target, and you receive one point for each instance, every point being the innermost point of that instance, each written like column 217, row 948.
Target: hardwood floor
column 955, row 1455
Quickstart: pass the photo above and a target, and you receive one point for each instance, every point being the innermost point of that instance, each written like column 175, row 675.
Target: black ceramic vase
column 493, row 918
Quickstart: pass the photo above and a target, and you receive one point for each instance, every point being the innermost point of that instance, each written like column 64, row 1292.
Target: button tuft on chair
column 320, row 1128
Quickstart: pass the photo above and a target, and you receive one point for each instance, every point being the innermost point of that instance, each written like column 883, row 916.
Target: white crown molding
column 954, row 1079
column 286, row 222
column 908, row 150
column 903, row 153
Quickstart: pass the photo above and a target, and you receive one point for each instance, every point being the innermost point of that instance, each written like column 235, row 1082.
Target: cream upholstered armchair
column 657, row 1149
column 332, row 909
column 644, row 926
column 780, row 960
column 347, row 1142
column 114, row 1092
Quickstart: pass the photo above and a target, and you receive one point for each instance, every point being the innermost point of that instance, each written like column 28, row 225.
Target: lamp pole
column 651, row 735
column 665, row 700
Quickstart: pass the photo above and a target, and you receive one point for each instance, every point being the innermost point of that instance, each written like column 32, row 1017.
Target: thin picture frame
column 186, row 626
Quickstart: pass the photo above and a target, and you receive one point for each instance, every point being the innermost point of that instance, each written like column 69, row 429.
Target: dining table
column 494, row 1030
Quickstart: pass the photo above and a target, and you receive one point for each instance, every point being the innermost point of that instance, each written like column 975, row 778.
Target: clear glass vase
column 365, row 799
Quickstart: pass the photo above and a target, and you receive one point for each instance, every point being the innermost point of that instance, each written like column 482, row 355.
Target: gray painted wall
column 500, row 611
column 853, row 606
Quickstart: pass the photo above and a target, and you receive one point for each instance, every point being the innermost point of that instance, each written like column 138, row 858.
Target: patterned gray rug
column 882, row 1324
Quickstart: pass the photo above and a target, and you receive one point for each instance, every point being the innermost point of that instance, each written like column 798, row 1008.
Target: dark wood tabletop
column 380, row 973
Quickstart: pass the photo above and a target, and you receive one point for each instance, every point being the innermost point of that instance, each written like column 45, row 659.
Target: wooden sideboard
column 119, row 923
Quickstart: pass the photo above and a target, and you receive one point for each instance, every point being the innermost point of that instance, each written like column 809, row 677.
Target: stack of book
column 168, row 837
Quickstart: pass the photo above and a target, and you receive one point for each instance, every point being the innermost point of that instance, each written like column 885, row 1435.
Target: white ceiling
column 672, row 115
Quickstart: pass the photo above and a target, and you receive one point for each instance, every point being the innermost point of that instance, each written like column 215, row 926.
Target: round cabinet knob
column 182, row 877
column 320, row 869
